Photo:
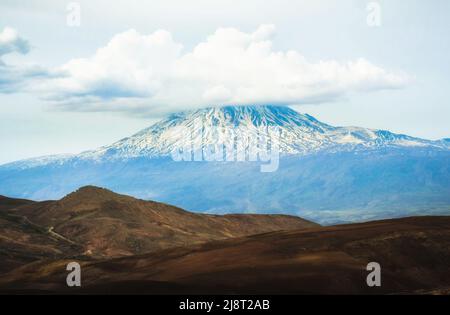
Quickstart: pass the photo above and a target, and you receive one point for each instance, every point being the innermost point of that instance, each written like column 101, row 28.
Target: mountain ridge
column 106, row 224
column 300, row 134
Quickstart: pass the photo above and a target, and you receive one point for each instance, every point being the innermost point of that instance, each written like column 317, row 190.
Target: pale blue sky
column 413, row 38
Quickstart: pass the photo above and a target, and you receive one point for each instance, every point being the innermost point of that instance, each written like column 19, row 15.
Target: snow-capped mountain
column 299, row 133
column 327, row 174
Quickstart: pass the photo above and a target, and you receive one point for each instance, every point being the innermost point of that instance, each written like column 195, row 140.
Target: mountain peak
column 299, row 133
column 90, row 194
column 261, row 115
column 90, row 189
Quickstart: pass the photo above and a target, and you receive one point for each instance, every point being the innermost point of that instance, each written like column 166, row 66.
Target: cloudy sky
column 71, row 82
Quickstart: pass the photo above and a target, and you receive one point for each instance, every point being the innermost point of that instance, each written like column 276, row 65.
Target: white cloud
column 15, row 78
column 10, row 42
column 147, row 73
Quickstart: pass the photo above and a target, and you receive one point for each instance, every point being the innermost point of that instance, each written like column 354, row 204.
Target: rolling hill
column 101, row 223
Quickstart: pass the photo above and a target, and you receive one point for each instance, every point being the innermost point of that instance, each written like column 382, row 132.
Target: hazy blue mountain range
column 327, row 174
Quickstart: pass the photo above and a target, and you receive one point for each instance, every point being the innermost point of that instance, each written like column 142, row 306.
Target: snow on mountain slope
column 298, row 134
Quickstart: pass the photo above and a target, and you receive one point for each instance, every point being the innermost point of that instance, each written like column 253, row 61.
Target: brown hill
column 414, row 254
column 10, row 203
column 106, row 224
column 22, row 242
